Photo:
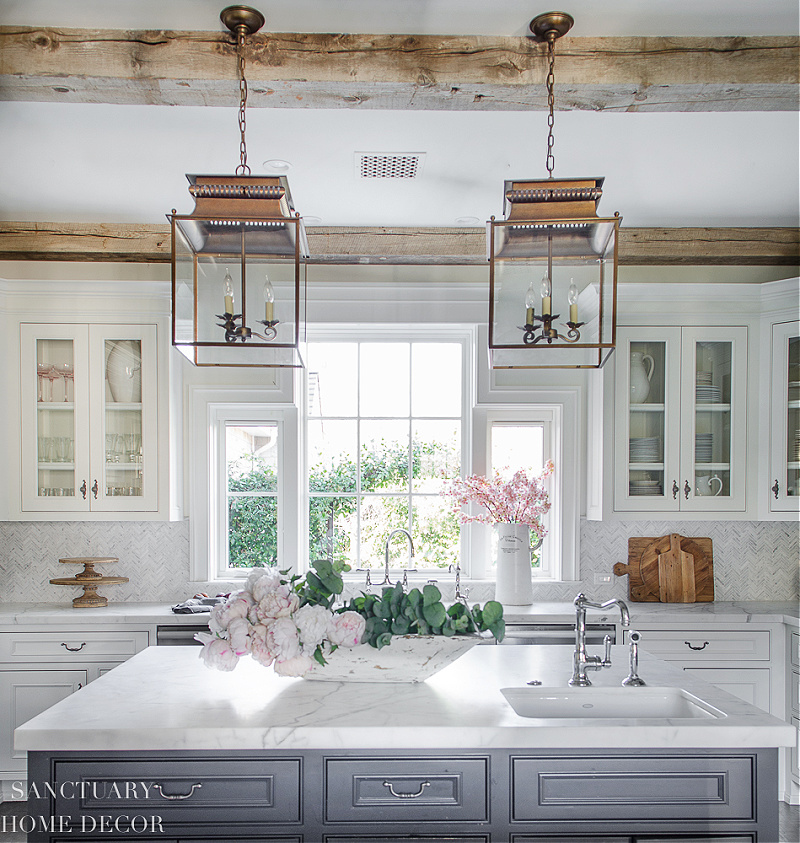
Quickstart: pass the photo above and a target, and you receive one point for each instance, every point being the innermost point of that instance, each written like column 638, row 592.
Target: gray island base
column 163, row 748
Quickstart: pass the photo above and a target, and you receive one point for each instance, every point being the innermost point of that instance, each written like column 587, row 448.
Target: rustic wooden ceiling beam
column 129, row 243
column 409, row 72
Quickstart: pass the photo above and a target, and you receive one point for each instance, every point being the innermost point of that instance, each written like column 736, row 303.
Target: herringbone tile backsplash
column 753, row 560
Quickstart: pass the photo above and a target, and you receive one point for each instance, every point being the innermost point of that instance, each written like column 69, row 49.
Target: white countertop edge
column 738, row 612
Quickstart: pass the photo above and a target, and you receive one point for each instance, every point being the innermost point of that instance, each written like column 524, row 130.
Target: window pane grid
column 390, row 448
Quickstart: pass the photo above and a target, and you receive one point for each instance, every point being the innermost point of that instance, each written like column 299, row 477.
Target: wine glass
column 65, row 371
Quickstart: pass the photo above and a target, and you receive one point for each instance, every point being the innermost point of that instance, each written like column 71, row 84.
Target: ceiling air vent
column 389, row 165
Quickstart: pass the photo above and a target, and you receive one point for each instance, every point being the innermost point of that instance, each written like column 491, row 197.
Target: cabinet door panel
column 123, row 417
column 784, row 478
column 23, row 695
column 713, row 392
column 55, row 419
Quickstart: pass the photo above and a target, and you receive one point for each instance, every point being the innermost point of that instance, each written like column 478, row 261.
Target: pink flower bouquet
column 521, row 500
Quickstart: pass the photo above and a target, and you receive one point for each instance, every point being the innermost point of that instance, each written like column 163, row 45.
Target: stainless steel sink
column 607, row 703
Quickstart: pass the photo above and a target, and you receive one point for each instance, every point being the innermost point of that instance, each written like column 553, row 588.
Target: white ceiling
column 93, row 163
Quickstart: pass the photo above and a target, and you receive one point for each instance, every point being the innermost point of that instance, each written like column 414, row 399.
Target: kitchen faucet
column 386, row 580
column 581, row 661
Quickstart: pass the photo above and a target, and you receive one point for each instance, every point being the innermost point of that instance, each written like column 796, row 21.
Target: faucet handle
column 607, row 657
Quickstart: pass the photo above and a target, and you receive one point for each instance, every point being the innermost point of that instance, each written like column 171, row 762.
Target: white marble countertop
column 563, row 612
column 164, row 698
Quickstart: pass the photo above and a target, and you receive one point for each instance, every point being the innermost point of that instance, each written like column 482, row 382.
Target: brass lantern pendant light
column 552, row 260
column 239, row 255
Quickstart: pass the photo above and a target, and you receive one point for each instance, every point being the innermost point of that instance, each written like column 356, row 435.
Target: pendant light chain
column 550, row 161
column 242, row 169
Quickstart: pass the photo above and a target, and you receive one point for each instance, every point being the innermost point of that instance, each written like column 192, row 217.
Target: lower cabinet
column 736, row 660
column 382, row 796
column 40, row 667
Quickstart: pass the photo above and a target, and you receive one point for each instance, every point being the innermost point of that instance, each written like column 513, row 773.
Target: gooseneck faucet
column 386, row 580
column 581, row 660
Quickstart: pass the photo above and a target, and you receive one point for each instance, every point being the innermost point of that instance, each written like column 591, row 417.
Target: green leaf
column 318, row 656
column 401, row 626
column 456, row 610
column 431, row 594
column 383, row 640
column 448, row 631
column 383, row 609
column 498, row 629
column 492, row 612
column 434, row 614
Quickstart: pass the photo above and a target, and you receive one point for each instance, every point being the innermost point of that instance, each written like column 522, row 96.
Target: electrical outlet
column 602, row 579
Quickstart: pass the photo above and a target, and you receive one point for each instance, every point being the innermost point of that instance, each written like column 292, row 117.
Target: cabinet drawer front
column 18, row 647
column 707, row 644
column 795, row 649
column 180, row 791
column 749, row 684
column 794, row 681
column 412, row 789
column 661, row 787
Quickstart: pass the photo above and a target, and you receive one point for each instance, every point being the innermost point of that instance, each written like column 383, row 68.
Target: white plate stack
column 644, row 449
column 644, row 487
column 703, row 447
column 705, row 392
column 797, row 446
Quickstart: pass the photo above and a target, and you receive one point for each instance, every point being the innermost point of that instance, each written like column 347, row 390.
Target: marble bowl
column 409, row 658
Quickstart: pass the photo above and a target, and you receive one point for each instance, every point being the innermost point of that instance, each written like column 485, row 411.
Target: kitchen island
column 193, row 754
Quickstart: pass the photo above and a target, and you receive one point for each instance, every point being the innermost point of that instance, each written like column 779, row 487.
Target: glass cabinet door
column 713, row 392
column 55, row 428
column 784, row 478
column 647, row 442
column 124, row 417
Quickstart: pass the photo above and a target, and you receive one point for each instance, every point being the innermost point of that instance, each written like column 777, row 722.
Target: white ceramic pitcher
column 640, row 377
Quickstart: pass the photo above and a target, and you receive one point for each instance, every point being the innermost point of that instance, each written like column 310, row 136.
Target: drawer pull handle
column 406, row 795
column 73, row 649
column 174, row 797
column 692, row 647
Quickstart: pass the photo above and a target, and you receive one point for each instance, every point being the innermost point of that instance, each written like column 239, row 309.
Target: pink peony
column 283, row 638
column 312, row 624
column 239, row 636
column 346, row 629
column 261, row 584
column 296, row 666
column 259, row 648
column 218, row 654
column 238, row 605
column 278, row 603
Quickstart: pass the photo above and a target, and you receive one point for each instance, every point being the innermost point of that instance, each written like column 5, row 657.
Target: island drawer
column 29, row 647
column 180, row 791
column 408, row 789
column 660, row 787
column 707, row 644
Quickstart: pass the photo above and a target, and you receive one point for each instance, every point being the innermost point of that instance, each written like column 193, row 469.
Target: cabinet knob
column 675, row 490
column 775, row 489
column 686, row 489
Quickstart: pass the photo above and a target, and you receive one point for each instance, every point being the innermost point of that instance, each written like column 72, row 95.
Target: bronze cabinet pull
column 692, row 647
column 73, row 649
column 775, row 489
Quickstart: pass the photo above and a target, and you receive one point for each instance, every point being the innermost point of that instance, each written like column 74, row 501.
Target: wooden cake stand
column 90, row 580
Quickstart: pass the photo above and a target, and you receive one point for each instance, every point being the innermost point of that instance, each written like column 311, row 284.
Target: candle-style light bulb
column 269, row 300
column 228, row 285
column 546, row 289
column 530, row 304
column 572, row 298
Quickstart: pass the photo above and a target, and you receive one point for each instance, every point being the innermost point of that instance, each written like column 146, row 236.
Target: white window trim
column 559, row 412
column 209, row 410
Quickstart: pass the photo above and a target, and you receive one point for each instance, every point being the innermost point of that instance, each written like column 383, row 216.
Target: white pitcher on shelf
column 640, row 377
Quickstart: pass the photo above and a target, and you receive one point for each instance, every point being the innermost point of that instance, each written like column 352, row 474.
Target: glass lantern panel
column 712, row 449
column 55, row 417
column 572, row 262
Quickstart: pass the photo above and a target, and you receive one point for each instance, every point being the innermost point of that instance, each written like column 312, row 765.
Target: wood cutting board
column 669, row 569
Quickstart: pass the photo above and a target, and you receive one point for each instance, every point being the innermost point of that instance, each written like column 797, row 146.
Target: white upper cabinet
column 89, row 438
column 680, row 419
column 784, row 477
